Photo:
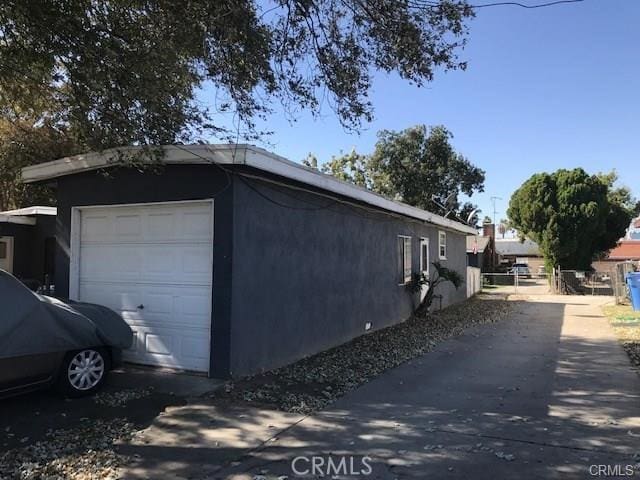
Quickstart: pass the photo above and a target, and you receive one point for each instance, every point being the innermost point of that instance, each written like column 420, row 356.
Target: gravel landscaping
column 54, row 439
column 122, row 397
column 76, row 454
column 626, row 324
column 314, row 382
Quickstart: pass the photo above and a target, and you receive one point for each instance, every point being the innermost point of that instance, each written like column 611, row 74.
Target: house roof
column 32, row 211
column 513, row 246
column 232, row 154
column 626, row 250
column 482, row 243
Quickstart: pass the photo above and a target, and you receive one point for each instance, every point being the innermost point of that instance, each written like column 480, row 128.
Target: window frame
column 402, row 253
column 424, row 242
column 442, row 245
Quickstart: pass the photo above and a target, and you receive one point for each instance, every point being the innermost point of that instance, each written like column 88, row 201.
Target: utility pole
column 493, row 202
column 493, row 250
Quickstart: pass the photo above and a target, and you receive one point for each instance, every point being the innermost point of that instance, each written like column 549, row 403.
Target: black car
column 47, row 342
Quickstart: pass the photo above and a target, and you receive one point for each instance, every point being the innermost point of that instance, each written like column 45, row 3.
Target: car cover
column 33, row 324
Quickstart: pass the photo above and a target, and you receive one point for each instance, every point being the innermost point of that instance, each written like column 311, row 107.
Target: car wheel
column 83, row 372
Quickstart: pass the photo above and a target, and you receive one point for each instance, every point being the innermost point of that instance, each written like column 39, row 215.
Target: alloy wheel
column 86, row 369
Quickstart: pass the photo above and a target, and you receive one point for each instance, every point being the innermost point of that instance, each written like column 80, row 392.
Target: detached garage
column 230, row 260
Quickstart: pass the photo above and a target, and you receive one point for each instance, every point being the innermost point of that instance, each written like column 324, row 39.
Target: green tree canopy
column 24, row 143
column 572, row 215
column 91, row 75
column 120, row 72
column 418, row 166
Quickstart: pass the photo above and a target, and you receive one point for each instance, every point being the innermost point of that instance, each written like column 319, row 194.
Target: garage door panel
column 196, row 349
column 123, row 299
column 190, row 264
column 111, row 263
column 196, row 225
column 161, row 346
column 159, row 260
column 95, row 227
column 127, row 227
column 153, row 265
column 161, row 225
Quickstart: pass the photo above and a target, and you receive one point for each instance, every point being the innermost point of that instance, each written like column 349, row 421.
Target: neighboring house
column 27, row 243
column 480, row 249
column 625, row 251
column 513, row 250
column 231, row 260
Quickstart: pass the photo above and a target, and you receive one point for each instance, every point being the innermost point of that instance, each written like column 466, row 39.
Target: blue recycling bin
column 633, row 280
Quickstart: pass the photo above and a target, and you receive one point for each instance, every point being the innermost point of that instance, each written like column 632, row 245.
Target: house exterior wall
column 287, row 282
column 309, row 277
column 23, row 245
column 29, row 245
column 173, row 183
column 41, row 263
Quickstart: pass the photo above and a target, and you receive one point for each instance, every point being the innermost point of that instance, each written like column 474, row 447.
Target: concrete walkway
column 545, row 394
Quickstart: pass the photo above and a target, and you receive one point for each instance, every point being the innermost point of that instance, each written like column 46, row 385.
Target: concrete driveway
column 548, row 393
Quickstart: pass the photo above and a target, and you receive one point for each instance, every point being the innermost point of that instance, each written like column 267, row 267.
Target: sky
column 549, row 88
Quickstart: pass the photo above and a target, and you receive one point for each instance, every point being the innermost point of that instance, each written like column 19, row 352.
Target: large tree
column 572, row 215
column 418, row 166
column 352, row 167
column 129, row 71
column 24, row 143
column 106, row 73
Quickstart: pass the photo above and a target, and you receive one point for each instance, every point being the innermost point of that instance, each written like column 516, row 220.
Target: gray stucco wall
column 309, row 277
column 287, row 282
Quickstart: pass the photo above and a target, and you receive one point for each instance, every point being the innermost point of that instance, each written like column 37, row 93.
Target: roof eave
column 239, row 155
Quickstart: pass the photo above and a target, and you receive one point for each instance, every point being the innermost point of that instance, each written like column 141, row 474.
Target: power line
column 522, row 5
column 435, row 4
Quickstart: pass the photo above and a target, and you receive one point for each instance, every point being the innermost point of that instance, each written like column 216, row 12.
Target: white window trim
column 424, row 241
column 440, row 245
column 406, row 237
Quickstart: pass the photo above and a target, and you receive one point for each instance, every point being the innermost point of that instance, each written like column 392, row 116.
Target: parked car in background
column 46, row 342
column 521, row 269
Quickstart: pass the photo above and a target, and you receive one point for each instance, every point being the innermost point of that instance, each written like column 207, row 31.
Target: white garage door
column 152, row 264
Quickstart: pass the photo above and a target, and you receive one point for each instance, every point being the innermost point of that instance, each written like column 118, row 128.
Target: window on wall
column 404, row 259
column 442, row 245
column 424, row 256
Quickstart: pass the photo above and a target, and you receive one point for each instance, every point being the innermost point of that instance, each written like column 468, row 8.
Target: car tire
column 83, row 372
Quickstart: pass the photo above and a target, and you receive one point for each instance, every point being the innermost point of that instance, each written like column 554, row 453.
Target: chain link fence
column 538, row 284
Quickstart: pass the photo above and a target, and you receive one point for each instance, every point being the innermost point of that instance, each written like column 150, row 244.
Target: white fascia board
column 249, row 155
column 174, row 154
column 37, row 210
column 17, row 220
